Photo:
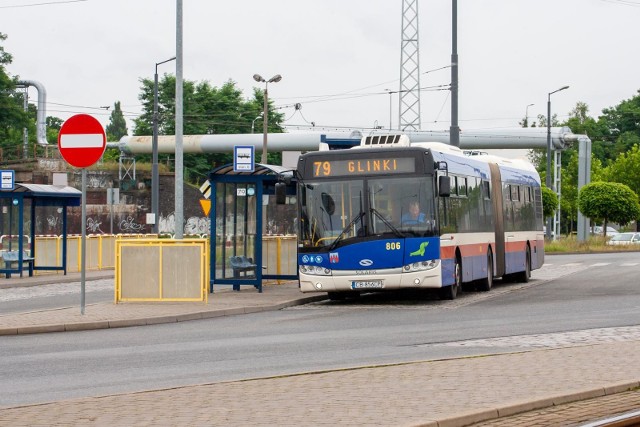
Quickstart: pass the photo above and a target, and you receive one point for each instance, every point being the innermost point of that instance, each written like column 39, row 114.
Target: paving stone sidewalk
column 453, row 392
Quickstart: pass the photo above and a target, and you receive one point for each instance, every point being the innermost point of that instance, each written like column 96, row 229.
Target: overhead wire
column 48, row 3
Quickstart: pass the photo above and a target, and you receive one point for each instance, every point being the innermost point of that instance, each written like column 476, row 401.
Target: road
column 573, row 300
column 43, row 297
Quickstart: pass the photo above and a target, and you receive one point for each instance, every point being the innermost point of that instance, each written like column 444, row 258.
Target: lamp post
column 253, row 123
column 389, row 91
column 265, row 121
column 548, row 180
column 155, row 176
column 526, row 115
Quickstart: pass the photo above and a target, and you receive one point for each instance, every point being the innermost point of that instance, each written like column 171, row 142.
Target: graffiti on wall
column 95, row 179
column 50, row 164
column 193, row 225
column 129, row 225
column 197, row 225
column 93, row 226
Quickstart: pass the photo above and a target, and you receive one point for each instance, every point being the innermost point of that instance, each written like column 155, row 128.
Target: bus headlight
column 421, row 266
column 315, row 270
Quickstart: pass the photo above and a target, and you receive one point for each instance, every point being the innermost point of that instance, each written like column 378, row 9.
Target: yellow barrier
column 279, row 255
column 278, row 252
column 161, row 270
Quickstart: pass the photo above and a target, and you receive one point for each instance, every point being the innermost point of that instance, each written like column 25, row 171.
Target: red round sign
column 82, row 140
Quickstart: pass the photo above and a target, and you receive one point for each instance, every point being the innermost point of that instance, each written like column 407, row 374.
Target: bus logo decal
column 334, row 257
column 305, row 259
column 319, row 259
column 420, row 251
column 365, row 262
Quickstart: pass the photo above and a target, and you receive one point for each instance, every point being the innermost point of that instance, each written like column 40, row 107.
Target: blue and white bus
column 480, row 217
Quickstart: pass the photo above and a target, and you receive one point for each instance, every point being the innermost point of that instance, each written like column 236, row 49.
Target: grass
column 591, row 245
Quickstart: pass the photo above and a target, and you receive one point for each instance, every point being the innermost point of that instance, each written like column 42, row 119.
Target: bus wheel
column 525, row 275
column 484, row 285
column 451, row 292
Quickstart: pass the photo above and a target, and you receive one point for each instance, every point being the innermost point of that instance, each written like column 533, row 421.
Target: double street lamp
column 155, row 176
column 265, row 116
column 548, row 180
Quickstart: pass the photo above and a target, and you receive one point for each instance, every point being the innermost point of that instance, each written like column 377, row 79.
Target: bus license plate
column 368, row 284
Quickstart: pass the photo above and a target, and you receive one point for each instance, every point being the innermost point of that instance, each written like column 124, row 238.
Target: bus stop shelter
column 29, row 204
column 243, row 215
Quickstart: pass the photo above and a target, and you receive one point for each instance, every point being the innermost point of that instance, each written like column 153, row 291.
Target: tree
column 549, row 201
column 117, row 127
column 609, row 201
column 625, row 169
column 207, row 110
column 13, row 118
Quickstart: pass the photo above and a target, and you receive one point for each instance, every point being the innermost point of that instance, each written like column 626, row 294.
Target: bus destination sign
column 374, row 166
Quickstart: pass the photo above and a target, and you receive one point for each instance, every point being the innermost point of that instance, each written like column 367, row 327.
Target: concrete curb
column 527, row 406
column 156, row 320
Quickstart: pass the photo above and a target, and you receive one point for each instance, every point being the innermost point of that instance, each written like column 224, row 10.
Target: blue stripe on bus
column 376, row 254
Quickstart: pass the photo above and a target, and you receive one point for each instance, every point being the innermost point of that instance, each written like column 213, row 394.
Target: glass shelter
column 22, row 209
column 244, row 218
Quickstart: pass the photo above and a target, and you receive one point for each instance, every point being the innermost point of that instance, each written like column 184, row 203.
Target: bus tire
column 524, row 276
column 485, row 285
column 451, row 292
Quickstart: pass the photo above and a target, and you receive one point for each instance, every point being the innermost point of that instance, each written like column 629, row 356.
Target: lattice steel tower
column 409, row 93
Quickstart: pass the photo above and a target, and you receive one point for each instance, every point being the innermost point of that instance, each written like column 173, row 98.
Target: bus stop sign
column 82, row 140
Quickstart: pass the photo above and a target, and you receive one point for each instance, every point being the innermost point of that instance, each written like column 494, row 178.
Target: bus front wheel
column 451, row 292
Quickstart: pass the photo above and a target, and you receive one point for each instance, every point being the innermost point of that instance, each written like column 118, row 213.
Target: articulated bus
column 390, row 214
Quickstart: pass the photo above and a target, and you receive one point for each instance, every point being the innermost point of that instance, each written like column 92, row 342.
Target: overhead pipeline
column 41, row 115
column 515, row 138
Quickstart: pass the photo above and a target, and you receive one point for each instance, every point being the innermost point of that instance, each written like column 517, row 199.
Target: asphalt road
column 44, row 297
column 573, row 300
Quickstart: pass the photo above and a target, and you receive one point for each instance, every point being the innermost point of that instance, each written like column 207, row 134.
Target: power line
column 623, row 2
column 15, row 6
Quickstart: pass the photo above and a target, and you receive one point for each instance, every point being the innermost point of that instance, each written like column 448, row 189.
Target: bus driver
column 414, row 216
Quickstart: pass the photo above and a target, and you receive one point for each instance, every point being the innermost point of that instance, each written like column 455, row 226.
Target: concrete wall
column 128, row 216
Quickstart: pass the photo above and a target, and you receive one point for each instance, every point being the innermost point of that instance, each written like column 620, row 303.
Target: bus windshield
column 337, row 212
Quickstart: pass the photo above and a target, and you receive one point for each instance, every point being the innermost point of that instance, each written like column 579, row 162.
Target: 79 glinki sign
column 82, row 140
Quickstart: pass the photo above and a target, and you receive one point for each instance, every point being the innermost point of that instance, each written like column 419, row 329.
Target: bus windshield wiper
column 387, row 223
column 345, row 230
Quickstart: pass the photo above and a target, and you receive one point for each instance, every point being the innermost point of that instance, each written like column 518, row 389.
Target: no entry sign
column 81, row 140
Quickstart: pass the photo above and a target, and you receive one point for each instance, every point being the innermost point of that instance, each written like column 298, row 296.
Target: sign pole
column 83, row 241
column 82, row 142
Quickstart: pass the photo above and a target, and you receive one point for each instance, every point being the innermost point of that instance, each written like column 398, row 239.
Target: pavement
column 566, row 384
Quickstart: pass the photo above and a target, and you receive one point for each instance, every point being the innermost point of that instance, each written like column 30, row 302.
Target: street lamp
column 265, row 121
column 389, row 91
column 155, row 176
column 548, row 180
column 253, row 123
column 526, row 115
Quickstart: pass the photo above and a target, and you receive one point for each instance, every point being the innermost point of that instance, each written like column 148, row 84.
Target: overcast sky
column 512, row 53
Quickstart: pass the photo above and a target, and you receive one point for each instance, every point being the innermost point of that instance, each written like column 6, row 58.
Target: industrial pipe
column 41, row 116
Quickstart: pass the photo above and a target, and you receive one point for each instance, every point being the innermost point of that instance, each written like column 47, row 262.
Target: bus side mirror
column 444, row 186
column 281, row 193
